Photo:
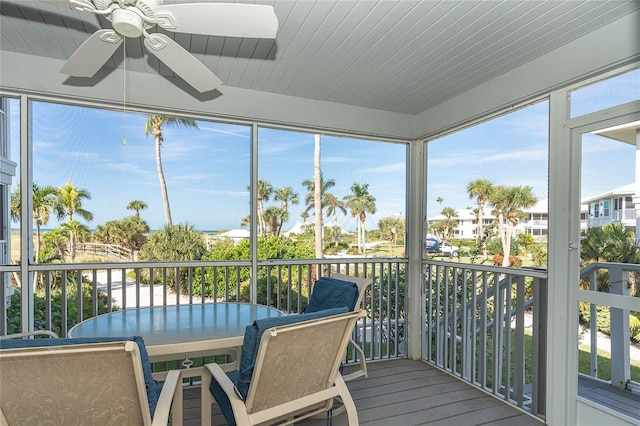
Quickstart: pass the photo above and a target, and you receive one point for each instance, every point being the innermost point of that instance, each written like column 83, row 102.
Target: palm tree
column 310, row 185
column 70, row 202
column 56, row 241
column 264, row 192
column 45, row 201
column 154, row 126
column 450, row 215
column 439, row 200
column 480, row 190
column 137, row 205
column 75, row 230
column 310, row 202
column 360, row 202
column 333, row 206
column 508, row 201
column 273, row 217
column 317, row 200
column 175, row 243
column 286, row 195
column 304, row 215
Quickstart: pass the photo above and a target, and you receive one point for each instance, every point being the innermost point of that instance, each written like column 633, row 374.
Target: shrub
column 225, row 283
column 40, row 309
column 514, row 261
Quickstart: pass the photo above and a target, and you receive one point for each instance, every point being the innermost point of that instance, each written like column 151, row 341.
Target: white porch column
column 636, row 197
column 414, row 279
column 563, row 266
column 619, row 320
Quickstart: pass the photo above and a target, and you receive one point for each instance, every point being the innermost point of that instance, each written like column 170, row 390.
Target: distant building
column 235, row 235
column 299, row 228
column 615, row 206
column 467, row 222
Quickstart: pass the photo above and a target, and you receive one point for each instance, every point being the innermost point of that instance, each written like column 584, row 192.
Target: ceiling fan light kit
column 132, row 18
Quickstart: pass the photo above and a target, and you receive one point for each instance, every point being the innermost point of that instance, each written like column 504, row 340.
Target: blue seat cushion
column 153, row 388
column 331, row 293
column 252, row 335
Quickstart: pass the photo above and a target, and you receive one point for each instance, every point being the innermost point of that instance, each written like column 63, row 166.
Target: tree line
column 508, row 203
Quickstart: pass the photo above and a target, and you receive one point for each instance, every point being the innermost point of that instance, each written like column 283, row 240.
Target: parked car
column 449, row 250
column 433, row 246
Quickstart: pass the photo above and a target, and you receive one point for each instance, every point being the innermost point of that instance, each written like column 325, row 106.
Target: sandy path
column 146, row 294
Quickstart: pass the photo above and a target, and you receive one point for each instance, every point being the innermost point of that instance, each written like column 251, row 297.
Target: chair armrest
column 29, row 334
column 171, row 392
column 363, row 364
column 215, row 372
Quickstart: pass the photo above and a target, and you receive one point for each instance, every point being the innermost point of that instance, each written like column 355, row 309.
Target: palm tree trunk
column 364, row 238
column 507, row 245
column 163, row 183
column 261, row 222
column 317, row 197
column 37, row 253
column 480, row 236
column 72, row 246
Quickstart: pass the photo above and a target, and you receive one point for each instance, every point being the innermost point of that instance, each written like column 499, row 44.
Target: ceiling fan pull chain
column 124, row 92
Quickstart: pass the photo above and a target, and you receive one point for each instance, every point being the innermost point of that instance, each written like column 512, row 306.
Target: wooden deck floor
column 619, row 400
column 405, row 392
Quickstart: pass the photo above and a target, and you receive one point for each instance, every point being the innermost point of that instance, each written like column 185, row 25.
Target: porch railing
column 487, row 326
column 604, row 294
column 283, row 284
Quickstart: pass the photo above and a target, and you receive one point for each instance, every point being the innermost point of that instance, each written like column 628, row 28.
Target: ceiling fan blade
column 219, row 19
column 92, row 54
column 181, row 62
column 80, row 5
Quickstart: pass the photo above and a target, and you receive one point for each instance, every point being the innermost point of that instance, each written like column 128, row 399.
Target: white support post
column 636, row 197
column 415, row 237
column 564, row 260
column 619, row 323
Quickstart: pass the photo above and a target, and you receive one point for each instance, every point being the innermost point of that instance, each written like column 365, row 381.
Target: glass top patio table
column 182, row 329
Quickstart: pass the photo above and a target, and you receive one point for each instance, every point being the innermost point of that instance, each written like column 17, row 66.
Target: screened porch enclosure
column 400, row 75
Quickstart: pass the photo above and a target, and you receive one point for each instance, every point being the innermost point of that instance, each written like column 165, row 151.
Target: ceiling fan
column 132, row 18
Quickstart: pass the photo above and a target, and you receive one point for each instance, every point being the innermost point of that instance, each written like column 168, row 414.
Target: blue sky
column 207, row 170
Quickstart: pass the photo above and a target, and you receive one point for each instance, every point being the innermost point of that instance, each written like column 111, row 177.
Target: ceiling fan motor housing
column 128, row 16
column 127, row 23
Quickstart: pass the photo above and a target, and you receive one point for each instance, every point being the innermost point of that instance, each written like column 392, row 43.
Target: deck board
column 404, row 392
column 603, row 393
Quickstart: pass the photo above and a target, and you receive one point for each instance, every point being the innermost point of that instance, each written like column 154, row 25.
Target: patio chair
column 84, row 381
column 288, row 371
column 336, row 291
column 37, row 334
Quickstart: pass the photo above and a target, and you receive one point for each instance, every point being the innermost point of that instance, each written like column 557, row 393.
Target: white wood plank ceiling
column 401, row 56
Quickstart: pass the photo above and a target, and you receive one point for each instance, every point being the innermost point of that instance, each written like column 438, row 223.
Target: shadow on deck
column 406, row 392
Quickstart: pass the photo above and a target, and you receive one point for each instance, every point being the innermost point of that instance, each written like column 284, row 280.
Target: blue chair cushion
column 153, row 388
column 252, row 335
column 331, row 293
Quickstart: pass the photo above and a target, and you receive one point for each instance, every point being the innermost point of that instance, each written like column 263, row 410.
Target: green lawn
column 604, row 364
column 584, row 362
